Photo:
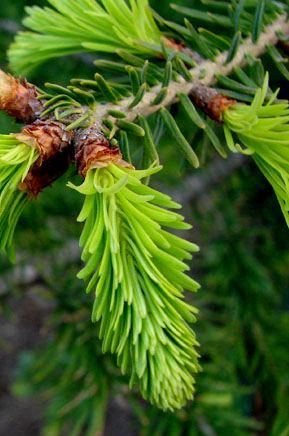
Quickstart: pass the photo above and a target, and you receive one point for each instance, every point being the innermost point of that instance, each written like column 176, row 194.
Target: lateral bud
column 93, row 150
column 19, row 98
column 53, row 143
column 48, row 136
column 211, row 101
column 40, row 177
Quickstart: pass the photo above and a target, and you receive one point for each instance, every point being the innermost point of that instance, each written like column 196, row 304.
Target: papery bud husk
column 54, row 145
column 211, row 101
column 40, row 177
column 48, row 136
column 19, row 98
column 93, row 150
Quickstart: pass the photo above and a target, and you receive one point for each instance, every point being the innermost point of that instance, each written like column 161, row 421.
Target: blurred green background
column 244, row 300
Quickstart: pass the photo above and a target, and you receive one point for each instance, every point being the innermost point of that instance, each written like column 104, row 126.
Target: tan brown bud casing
column 93, row 150
column 19, row 98
column 48, row 136
column 39, row 177
column 54, row 145
column 211, row 101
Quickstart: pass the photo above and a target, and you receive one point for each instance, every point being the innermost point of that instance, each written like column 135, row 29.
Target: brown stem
column 211, row 102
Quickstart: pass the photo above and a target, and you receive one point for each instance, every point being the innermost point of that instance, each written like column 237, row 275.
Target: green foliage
column 16, row 158
column 263, row 129
column 135, row 267
column 243, row 388
column 137, row 272
column 82, row 26
column 242, row 327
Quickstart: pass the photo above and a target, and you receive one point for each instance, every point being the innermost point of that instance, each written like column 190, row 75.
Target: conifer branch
column 205, row 73
column 261, row 131
column 133, row 264
column 127, row 264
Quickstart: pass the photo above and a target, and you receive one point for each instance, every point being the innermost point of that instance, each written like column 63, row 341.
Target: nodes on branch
column 48, row 136
column 19, row 98
column 53, row 143
column 93, row 150
column 40, row 177
column 211, row 101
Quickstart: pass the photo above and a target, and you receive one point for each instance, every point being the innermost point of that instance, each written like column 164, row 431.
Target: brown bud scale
column 48, row 136
column 211, row 102
column 19, row 98
column 218, row 105
column 93, row 150
column 40, row 177
column 54, row 146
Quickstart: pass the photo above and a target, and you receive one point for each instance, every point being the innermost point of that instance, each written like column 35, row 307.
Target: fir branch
column 263, row 128
column 84, row 26
column 160, row 95
column 136, row 269
column 205, row 73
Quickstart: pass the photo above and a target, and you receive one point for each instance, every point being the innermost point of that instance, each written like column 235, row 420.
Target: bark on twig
column 211, row 102
column 205, row 74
